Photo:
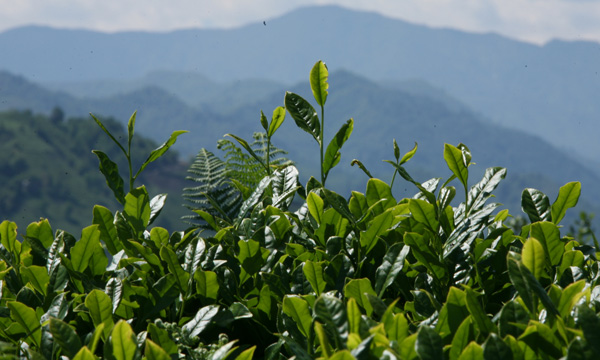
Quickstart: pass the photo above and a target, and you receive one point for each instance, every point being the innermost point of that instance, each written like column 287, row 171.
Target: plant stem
column 268, row 155
column 321, row 143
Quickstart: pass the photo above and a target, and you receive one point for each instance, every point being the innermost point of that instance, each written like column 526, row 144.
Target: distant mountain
column 550, row 91
column 381, row 112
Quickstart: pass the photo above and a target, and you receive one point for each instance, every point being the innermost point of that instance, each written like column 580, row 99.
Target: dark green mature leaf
column 589, row 322
column 429, row 345
column 250, row 256
column 264, row 122
column 84, row 249
column 201, row 320
column 528, row 287
column 568, row 195
column 482, row 191
column 114, row 290
column 251, row 202
column 161, row 150
column 285, row 183
column 453, row 313
column 181, row 276
column 303, row 114
column 483, row 322
column 536, row 205
column 496, row 349
column 549, row 236
column 511, row 315
column 390, row 267
column 156, row 205
column 379, row 226
column 108, row 232
column 110, row 170
column 332, row 313
column 338, row 203
column 65, row 337
column 332, row 154
column 27, row 318
column 318, row 82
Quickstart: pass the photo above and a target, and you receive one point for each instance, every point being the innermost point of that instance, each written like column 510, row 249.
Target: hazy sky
column 531, row 20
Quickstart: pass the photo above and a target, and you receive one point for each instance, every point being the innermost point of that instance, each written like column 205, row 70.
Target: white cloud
column 532, row 20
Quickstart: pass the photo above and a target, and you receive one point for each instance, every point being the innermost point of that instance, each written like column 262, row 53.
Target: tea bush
column 369, row 277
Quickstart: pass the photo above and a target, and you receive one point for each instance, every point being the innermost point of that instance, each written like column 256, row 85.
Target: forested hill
column 47, row 170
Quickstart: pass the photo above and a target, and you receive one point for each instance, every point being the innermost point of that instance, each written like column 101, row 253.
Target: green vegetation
column 369, row 277
column 47, row 170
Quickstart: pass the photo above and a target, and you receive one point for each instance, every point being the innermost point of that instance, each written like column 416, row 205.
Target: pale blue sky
column 529, row 20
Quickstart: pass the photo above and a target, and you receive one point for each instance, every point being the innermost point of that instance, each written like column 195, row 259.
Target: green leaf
column 589, row 322
column 464, row 336
column 534, row 257
column 41, row 231
column 161, row 338
column 453, row 313
column 568, row 195
column 264, row 122
column 318, row 82
column 424, row 213
column 390, row 267
column 511, row 315
column 8, row 237
column 250, row 256
column 137, row 209
column 495, row 348
column 123, row 343
column 332, row 154
column 570, row 296
column 304, row 115
column 84, row 354
column 108, row 133
column 409, row 155
column 378, row 190
column 110, row 170
column 108, row 232
column 207, row 285
column 297, row 308
column 276, row 121
column 342, row 355
column 201, row 320
column 429, row 345
column 542, row 339
column 473, row 351
column 536, row 205
column 483, row 322
column 314, row 274
column 84, row 249
column 548, row 235
column 27, row 318
column 65, row 337
column 100, row 308
column 354, row 316
column 379, row 226
column 130, row 129
column 161, row 150
column 456, row 161
column 332, row 313
column 315, row 206
column 285, row 184
column 37, row 276
column 154, row 352
column 246, row 354
column 156, row 205
column 181, row 276
column 357, row 288
column 361, row 166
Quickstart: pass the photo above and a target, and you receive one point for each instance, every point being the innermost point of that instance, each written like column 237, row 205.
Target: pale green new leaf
column 278, row 118
column 534, row 257
column 155, row 352
column 357, row 288
column 314, row 274
column 158, row 152
column 318, row 82
column 123, row 341
column 84, row 354
column 332, row 154
column 548, row 235
column 297, row 308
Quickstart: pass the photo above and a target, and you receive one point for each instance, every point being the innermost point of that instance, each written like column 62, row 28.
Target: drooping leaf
column 536, row 205
column 161, row 150
column 318, row 82
column 304, row 115
column 110, row 170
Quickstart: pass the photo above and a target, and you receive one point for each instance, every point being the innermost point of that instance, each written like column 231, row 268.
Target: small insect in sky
column 264, row 23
